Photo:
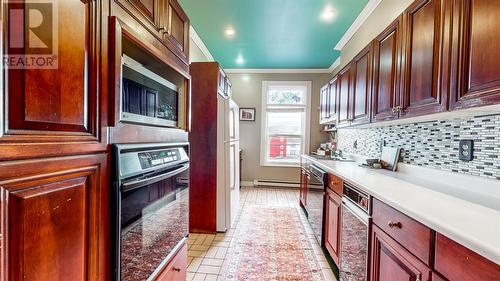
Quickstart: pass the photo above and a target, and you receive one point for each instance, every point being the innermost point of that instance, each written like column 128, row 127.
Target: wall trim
column 246, row 183
column 365, row 13
column 197, row 40
column 276, row 70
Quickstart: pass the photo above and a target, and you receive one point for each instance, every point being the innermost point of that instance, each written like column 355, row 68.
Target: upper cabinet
column 344, row 92
column 422, row 47
column 475, row 56
column 332, row 95
column 161, row 23
column 360, row 104
column 386, row 68
column 324, row 104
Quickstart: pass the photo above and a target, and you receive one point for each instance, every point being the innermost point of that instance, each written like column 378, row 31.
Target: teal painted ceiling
column 273, row 33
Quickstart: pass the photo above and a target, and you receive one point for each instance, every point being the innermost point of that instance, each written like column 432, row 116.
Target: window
column 285, row 122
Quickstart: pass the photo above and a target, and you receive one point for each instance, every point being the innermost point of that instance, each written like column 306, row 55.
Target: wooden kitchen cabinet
column 324, row 104
column 55, row 219
column 391, row 261
column 333, row 98
column 475, row 79
column 304, row 181
column 161, row 23
column 51, row 112
column 422, row 65
column 176, row 269
column 333, row 220
column 386, row 72
column 360, row 104
column 455, row 262
column 344, row 94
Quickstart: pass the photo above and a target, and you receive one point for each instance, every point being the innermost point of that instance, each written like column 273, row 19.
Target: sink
column 323, row 157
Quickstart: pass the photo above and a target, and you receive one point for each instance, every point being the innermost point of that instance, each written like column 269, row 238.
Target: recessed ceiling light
column 328, row 14
column 240, row 59
column 229, row 32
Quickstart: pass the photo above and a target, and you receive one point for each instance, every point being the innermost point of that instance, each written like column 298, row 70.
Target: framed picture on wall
column 247, row 114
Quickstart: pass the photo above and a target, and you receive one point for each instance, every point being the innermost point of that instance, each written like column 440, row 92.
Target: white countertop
column 461, row 207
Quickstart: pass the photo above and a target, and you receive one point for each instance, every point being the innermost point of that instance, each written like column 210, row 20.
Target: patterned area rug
column 271, row 244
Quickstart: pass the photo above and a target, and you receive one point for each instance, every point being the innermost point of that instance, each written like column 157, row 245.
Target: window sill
column 282, row 165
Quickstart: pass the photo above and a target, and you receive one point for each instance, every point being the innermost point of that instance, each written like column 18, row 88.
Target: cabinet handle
column 392, row 224
column 176, row 269
column 393, row 110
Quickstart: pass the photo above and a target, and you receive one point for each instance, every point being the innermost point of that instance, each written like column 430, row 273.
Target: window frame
column 270, row 107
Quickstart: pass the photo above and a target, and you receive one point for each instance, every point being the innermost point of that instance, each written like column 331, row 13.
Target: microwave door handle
column 128, row 186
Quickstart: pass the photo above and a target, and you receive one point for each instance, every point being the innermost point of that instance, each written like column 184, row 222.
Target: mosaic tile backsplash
column 433, row 144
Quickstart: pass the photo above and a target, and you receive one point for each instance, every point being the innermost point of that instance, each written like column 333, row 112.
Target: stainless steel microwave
column 146, row 97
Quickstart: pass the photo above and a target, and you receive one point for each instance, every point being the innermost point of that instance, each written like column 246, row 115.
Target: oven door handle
column 356, row 211
column 128, row 186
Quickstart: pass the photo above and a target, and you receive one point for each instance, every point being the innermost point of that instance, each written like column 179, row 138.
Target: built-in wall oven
column 149, row 207
column 147, row 97
column 354, row 248
column 316, row 190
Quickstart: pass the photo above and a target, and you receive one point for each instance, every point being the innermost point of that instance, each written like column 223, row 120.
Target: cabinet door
column 390, row 261
column 55, row 219
column 423, row 25
column 58, row 102
column 344, row 96
column 475, row 79
column 178, row 27
column 333, row 221
column 360, row 104
column 333, row 97
column 386, row 64
column 324, row 104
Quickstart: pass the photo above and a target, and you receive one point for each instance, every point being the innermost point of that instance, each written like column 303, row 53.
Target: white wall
column 247, row 92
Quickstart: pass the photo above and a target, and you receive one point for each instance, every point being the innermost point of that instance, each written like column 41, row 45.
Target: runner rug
column 270, row 244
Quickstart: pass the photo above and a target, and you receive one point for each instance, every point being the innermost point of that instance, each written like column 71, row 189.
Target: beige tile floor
column 207, row 253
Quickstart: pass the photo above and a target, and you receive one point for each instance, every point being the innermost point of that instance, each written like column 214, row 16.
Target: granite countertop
column 461, row 207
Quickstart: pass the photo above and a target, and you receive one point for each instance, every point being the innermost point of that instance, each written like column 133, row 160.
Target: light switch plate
column 465, row 150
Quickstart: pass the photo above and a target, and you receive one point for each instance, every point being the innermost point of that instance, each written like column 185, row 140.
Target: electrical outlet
column 465, row 149
column 355, row 144
column 381, row 145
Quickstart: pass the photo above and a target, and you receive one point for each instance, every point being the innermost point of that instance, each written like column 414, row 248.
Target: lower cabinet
column 390, row 261
column 333, row 220
column 176, row 269
column 54, row 219
column 304, row 181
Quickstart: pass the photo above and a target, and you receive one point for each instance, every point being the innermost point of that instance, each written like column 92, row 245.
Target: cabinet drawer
column 176, row 269
column 335, row 183
column 413, row 235
column 455, row 262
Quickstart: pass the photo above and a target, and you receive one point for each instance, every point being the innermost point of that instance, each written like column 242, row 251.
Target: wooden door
column 55, row 219
column 333, row 221
column 391, row 261
column 324, row 105
column 475, row 79
column 333, row 97
column 344, row 96
column 386, row 65
column 55, row 107
column 360, row 104
column 421, row 92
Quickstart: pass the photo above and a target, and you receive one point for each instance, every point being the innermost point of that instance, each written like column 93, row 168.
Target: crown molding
column 365, row 13
column 334, row 65
column 276, row 70
column 197, row 40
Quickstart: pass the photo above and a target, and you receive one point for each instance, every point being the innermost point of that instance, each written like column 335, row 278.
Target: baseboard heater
column 275, row 183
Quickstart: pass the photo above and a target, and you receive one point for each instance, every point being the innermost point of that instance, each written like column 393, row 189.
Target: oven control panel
column 156, row 158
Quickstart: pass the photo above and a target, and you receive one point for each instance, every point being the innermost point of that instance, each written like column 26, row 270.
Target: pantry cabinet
column 424, row 45
column 386, row 72
column 55, row 219
column 474, row 63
